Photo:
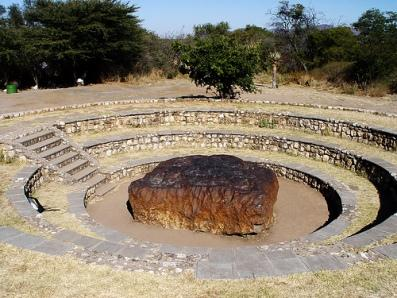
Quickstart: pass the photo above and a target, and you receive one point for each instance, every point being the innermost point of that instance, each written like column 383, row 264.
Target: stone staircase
column 53, row 149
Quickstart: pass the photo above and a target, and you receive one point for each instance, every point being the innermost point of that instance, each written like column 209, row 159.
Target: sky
column 173, row 17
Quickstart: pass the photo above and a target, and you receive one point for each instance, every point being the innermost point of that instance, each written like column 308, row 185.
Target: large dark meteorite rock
column 220, row 194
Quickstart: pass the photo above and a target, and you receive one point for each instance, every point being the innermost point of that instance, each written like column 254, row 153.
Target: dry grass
column 155, row 76
column 328, row 78
column 23, row 275
column 53, row 196
column 366, row 193
column 385, row 241
column 378, row 90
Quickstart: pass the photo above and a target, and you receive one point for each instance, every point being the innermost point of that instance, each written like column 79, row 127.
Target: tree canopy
column 216, row 60
column 377, row 57
column 51, row 43
column 63, row 40
column 292, row 26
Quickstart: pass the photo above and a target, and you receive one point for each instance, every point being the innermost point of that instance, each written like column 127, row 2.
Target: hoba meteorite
column 220, row 194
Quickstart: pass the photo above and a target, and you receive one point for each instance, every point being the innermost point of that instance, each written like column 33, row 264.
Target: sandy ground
column 35, row 99
column 299, row 210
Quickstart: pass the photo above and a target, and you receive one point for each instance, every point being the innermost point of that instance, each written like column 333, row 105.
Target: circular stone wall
column 299, row 210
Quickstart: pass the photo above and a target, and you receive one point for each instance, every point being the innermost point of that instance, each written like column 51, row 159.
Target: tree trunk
column 304, row 66
column 35, row 77
column 274, row 76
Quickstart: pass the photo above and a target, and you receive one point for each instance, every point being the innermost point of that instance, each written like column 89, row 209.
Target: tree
column 92, row 38
column 207, row 30
column 218, row 61
column 332, row 44
column 292, row 26
column 259, row 38
column 11, row 21
column 53, row 42
column 15, row 16
column 158, row 54
column 377, row 57
column 3, row 10
column 9, row 52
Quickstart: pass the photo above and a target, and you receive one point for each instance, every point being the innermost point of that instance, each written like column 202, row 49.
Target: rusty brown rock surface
column 220, row 194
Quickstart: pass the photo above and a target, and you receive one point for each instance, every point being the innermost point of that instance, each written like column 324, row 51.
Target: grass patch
column 23, row 275
column 53, row 196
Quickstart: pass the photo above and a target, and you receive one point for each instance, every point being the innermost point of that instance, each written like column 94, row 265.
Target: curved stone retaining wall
column 207, row 262
column 35, row 180
column 381, row 173
column 183, row 99
column 381, row 137
column 292, row 172
column 340, row 201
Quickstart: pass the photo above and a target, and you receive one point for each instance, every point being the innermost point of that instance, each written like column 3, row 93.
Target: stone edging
column 244, row 262
column 378, row 136
column 340, row 200
column 154, row 100
column 379, row 172
column 210, row 265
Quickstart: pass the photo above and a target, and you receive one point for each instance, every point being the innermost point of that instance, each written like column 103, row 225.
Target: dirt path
column 28, row 100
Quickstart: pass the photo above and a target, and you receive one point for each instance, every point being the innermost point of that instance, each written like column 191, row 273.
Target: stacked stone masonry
column 213, row 263
column 169, row 100
column 381, row 137
column 381, row 173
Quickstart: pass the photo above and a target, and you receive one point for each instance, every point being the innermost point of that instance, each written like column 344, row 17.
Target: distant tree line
column 363, row 54
column 51, row 43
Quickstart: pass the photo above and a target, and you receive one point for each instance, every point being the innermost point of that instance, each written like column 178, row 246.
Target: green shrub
column 219, row 62
column 267, row 123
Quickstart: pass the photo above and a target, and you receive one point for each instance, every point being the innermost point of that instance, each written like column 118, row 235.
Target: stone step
column 84, row 174
column 66, row 158
column 95, row 180
column 35, row 137
column 55, row 151
column 46, row 144
column 75, row 166
column 104, row 189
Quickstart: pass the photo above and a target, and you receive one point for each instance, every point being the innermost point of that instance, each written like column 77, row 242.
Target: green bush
column 219, row 62
column 266, row 123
